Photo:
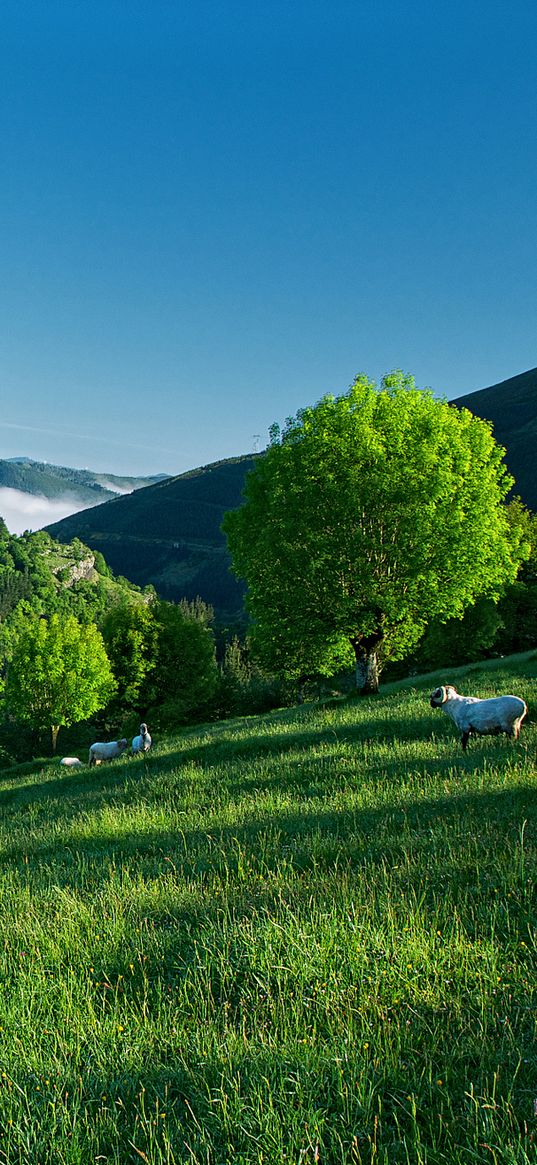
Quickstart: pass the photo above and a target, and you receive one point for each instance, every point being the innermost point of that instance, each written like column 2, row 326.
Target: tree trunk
column 55, row 729
column 367, row 664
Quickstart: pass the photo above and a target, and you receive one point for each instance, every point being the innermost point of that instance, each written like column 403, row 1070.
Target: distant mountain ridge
column 169, row 533
column 39, row 478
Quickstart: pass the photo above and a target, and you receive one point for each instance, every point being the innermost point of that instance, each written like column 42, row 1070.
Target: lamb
column 101, row 751
column 72, row 762
column 483, row 717
column 142, row 743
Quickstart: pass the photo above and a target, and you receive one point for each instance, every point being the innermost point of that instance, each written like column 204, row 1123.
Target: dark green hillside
column 55, row 481
column 169, row 534
column 512, row 408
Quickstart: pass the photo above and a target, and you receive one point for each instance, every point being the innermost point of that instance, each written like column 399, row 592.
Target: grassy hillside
column 512, row 408
column 307, row 937
column 169, row 534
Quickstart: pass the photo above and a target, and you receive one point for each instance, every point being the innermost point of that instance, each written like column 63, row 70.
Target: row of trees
column 147, row 660
column 374, row 519
column 78, row 644
column 150, row 660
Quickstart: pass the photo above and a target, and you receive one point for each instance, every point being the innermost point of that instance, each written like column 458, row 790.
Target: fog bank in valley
column 23, row 511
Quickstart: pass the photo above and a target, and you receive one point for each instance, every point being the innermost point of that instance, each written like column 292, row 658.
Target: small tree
column 370, row 515
column 58, row 672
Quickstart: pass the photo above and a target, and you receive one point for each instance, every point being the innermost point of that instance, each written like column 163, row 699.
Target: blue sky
column 212, row 214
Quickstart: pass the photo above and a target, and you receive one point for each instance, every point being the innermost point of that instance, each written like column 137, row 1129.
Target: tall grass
column 304, row 937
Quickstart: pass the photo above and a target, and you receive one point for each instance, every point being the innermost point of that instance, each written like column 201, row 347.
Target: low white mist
column 22, row 511
column 115, row 488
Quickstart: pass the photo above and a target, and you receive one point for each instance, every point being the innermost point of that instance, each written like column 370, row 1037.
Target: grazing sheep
column 141, row 743
column 100, row 751
column 483, row 717
column 72, row 762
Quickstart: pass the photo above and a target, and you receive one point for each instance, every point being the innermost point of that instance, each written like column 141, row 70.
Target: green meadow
column 302, row 937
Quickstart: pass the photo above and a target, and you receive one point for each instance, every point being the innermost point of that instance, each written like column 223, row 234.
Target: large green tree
column 58, row 672
column 371, row 514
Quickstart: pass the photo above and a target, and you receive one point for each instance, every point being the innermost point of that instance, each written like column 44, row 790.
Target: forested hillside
column 55, row 481
column 53, row 577
column 512, row 408
column 79, row 645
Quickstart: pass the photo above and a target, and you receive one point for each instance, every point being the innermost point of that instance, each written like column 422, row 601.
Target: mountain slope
column 55, row 481
column 512, row 408
column 169, row 534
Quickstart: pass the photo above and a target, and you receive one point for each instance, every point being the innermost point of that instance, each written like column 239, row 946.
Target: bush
column 244, row 688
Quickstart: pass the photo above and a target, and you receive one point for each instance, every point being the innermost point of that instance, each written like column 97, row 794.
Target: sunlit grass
column 303, row 937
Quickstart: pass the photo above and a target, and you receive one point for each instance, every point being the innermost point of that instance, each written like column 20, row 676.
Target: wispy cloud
column 100, row 440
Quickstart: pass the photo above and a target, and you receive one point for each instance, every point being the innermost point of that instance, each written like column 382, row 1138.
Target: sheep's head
column 440, row 695
column 143, row 729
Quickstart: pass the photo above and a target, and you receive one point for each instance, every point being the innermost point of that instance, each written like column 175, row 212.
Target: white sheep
column 101, row 751
column 483, row 717
column 72, row 762
column 142, row 743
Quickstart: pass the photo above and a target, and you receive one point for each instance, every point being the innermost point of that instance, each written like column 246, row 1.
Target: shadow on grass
column 308, row 1100
column 247, row 1096
column 306, row 764
column 427, row 839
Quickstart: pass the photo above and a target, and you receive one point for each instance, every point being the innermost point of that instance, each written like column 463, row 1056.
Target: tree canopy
column 58, row 672
column 369, row 515
column 185, row 678
column 131, row 639
column 163, row 659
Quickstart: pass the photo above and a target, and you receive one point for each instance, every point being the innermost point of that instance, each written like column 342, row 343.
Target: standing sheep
column 483, row 717
column 141, row 743
column 101, row 751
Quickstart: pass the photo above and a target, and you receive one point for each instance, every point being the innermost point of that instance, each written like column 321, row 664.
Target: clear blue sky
column 213, row 213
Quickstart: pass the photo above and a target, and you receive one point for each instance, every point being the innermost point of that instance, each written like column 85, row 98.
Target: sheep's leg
column 464, row 740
